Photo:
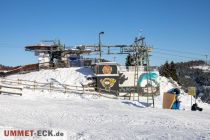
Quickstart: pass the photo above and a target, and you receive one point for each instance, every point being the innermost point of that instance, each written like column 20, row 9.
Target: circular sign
column 107, row 69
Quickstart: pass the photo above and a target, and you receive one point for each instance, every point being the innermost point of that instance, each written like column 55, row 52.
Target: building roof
column 41, row 47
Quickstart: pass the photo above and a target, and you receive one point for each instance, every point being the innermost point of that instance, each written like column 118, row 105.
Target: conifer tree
column 166, row 70
column 169, row 70
column 173, row 73
column 129, row 60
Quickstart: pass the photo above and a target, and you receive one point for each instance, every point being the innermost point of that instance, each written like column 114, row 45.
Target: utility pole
column 206, row 79
column 100, row 45
column 206, row 59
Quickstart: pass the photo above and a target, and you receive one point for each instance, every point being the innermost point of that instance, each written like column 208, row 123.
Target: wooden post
column 83, row 89
column 99, row 92
column 191, row 100
column 65, row 89
column 50, row 86
column 34, row 85
column 3, row 79
column 133, row 96
column 195, row 96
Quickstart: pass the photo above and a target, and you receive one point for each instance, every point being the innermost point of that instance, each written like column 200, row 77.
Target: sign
column 107, row 69
column 149, row 89
column 191, row 91
column 128, row 49
column 168, row 100
column 107, row 77
column 148, row 84
column 107, row 83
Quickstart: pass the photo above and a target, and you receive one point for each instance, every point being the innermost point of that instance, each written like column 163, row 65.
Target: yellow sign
column 191, row 91
column 107, row 83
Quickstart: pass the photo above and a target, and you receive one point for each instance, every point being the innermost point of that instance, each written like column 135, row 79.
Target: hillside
column 195, row 73
column 89, row 116
column 71, row 76
column 6, row 68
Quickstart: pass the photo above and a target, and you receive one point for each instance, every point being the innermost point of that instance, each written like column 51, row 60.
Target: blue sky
column 179, row 25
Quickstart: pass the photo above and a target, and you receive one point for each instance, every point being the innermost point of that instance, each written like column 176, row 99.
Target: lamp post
column 100, row 45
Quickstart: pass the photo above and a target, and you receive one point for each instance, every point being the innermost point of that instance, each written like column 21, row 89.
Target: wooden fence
column 4, row 89
column 65, row 88
column 50, row 86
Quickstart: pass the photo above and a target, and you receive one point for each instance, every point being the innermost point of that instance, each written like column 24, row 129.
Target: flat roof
column 106, row 63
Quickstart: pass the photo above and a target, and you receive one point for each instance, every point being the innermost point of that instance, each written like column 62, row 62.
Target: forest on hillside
column 188, row 76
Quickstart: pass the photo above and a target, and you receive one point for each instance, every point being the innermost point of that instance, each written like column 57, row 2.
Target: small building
column 56, row 55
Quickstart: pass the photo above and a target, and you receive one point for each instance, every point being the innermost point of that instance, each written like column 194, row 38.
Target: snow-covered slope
column 76, row 76
column 167, row 84
column 87, row 117
column 70, row 76
column 93, row 118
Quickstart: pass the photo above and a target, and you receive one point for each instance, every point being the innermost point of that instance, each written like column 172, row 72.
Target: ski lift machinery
column 139, row 51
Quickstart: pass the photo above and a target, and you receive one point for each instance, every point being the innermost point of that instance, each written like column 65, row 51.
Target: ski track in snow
column 85, row 117
column 103, row 119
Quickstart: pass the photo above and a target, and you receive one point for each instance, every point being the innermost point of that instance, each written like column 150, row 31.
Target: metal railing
column 132, row 68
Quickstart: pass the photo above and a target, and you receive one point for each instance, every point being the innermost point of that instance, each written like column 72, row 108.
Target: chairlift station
column 108, row 75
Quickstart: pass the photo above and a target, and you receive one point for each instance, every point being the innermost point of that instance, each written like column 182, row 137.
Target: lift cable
column 176, row 55
column 178, row 51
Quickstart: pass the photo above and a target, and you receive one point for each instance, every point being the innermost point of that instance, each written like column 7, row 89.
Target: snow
column 89, row 116
column 71, row 76
column 205, row 68
column 167, row 84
